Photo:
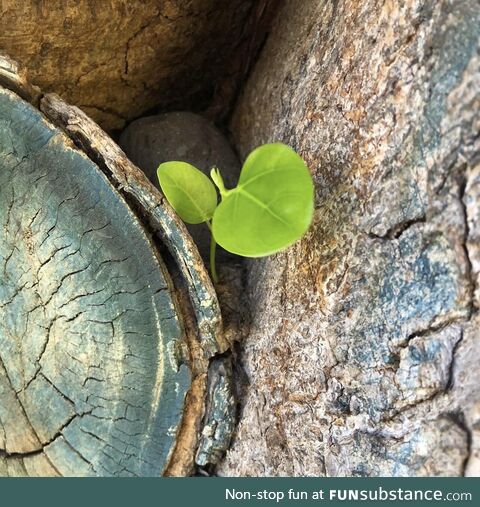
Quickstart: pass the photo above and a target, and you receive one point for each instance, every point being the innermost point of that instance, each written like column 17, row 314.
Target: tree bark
column 117, row 59
column 363, row 354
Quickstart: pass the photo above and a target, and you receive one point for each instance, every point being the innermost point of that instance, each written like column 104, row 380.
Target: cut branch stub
column 101, row 354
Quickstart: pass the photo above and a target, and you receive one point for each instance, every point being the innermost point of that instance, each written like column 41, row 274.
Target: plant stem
column 213, row 249
column 218, row 180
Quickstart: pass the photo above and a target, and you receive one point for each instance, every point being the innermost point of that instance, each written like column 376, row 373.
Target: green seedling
column 269, row 210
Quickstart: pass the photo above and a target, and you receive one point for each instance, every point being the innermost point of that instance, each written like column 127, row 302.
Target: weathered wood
column 131, row 181
column 13, row 77
column 363, row 353
column 104, row 361
column 116, row 58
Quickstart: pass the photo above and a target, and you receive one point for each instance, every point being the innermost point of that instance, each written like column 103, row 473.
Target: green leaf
column 191, row 194
column 272, row 206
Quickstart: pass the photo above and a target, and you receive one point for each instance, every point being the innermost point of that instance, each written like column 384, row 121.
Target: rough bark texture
column 116, row 59
column 364, row 349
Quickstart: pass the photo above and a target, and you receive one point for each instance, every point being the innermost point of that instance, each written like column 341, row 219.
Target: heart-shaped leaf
column 272, row 206
column 191, row 193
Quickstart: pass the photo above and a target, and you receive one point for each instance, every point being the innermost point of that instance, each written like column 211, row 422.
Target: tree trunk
column 363, row 354
column 105, row 338
column 117, row 59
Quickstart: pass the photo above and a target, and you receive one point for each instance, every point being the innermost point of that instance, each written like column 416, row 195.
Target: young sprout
column 269, row 210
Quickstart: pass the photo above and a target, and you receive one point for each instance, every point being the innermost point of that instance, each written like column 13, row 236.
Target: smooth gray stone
column 185, row 137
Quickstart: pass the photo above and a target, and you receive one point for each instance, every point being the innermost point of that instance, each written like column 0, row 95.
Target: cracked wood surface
column 186, row 343
column 117, row 59
column 363, row 353
column 93, row 373
column 154, row 209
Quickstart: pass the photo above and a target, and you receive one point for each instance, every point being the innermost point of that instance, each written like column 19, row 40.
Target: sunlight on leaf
column 188, row 190
column 272, row 206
